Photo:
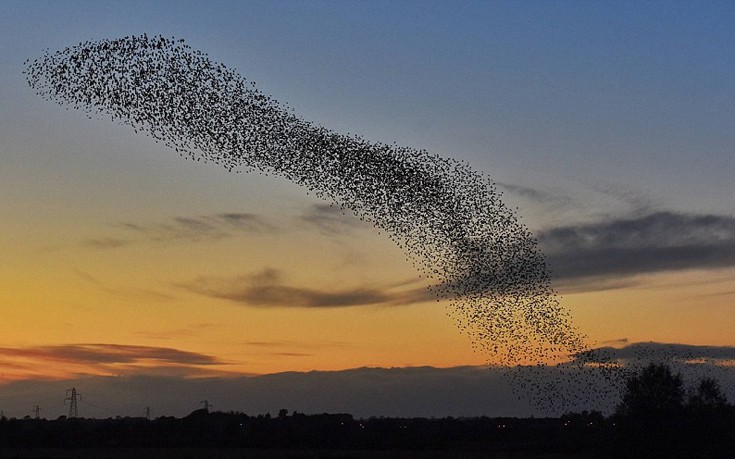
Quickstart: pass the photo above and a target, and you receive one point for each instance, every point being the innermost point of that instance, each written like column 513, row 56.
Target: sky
column 608, row 126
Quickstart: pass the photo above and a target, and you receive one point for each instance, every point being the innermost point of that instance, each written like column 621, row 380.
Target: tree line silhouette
column 657, row 417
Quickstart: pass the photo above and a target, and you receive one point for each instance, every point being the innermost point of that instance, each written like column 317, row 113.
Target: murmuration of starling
column 448, row 218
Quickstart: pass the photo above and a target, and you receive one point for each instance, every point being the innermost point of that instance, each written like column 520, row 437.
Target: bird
column 449, row 219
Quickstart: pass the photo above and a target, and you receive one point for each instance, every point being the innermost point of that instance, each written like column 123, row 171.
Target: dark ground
column 212, row 453
column 204, row 435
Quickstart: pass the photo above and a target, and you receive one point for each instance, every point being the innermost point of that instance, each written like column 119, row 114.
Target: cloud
column 613, row 342
column 327, row 219
column 652, row 351
column 286, row 348
column 296, row 344
column 331, row 220
column 108, row 354
column 209, row 227
column 635, row 202
column 268, row 289
column 184, row 229
column 129, row 294
column 624, row 247
column 248, row 222
column 726, row 293
column 67, row 360
column 535, row 194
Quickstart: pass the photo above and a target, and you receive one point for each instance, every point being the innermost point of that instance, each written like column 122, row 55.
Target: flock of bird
column 449, row 219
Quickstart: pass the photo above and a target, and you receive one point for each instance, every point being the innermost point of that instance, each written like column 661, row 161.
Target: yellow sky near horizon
column 147, row 282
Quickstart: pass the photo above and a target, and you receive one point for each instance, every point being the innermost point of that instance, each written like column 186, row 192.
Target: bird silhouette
column 448, row 218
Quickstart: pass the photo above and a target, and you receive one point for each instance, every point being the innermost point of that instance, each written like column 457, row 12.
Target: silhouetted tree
column 650, row 418
column 707, row 395
column 654, row 392
column 658, row 418
column 709, row 419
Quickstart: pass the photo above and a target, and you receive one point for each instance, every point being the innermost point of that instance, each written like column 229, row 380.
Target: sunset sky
column 609, row 125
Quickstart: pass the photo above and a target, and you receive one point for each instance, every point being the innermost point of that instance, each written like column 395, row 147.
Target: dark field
column 213, row 453
column 203, row 435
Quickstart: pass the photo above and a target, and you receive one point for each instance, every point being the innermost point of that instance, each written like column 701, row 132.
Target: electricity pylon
column 207, row 405
column 73, row 408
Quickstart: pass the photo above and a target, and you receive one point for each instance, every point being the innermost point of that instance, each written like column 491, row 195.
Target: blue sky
column 638, row 96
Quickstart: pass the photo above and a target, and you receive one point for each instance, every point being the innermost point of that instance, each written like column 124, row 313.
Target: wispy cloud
column 201, row 228
column 66, row 360
column 677, row 354
column 537, row 195
column 286, row 348
column 616, row 342
column 633, row 201
column 330, row 219
column 295, row 344
column 108, row 354
column 614, row 250
column 248, row 222
column 184, row 229
column 727, row 293
column 129, row 294
column 268, row 288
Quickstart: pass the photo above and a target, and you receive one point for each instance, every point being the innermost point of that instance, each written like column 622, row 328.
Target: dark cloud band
column 109, row 354
column 656, row 242
column 268, row 289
